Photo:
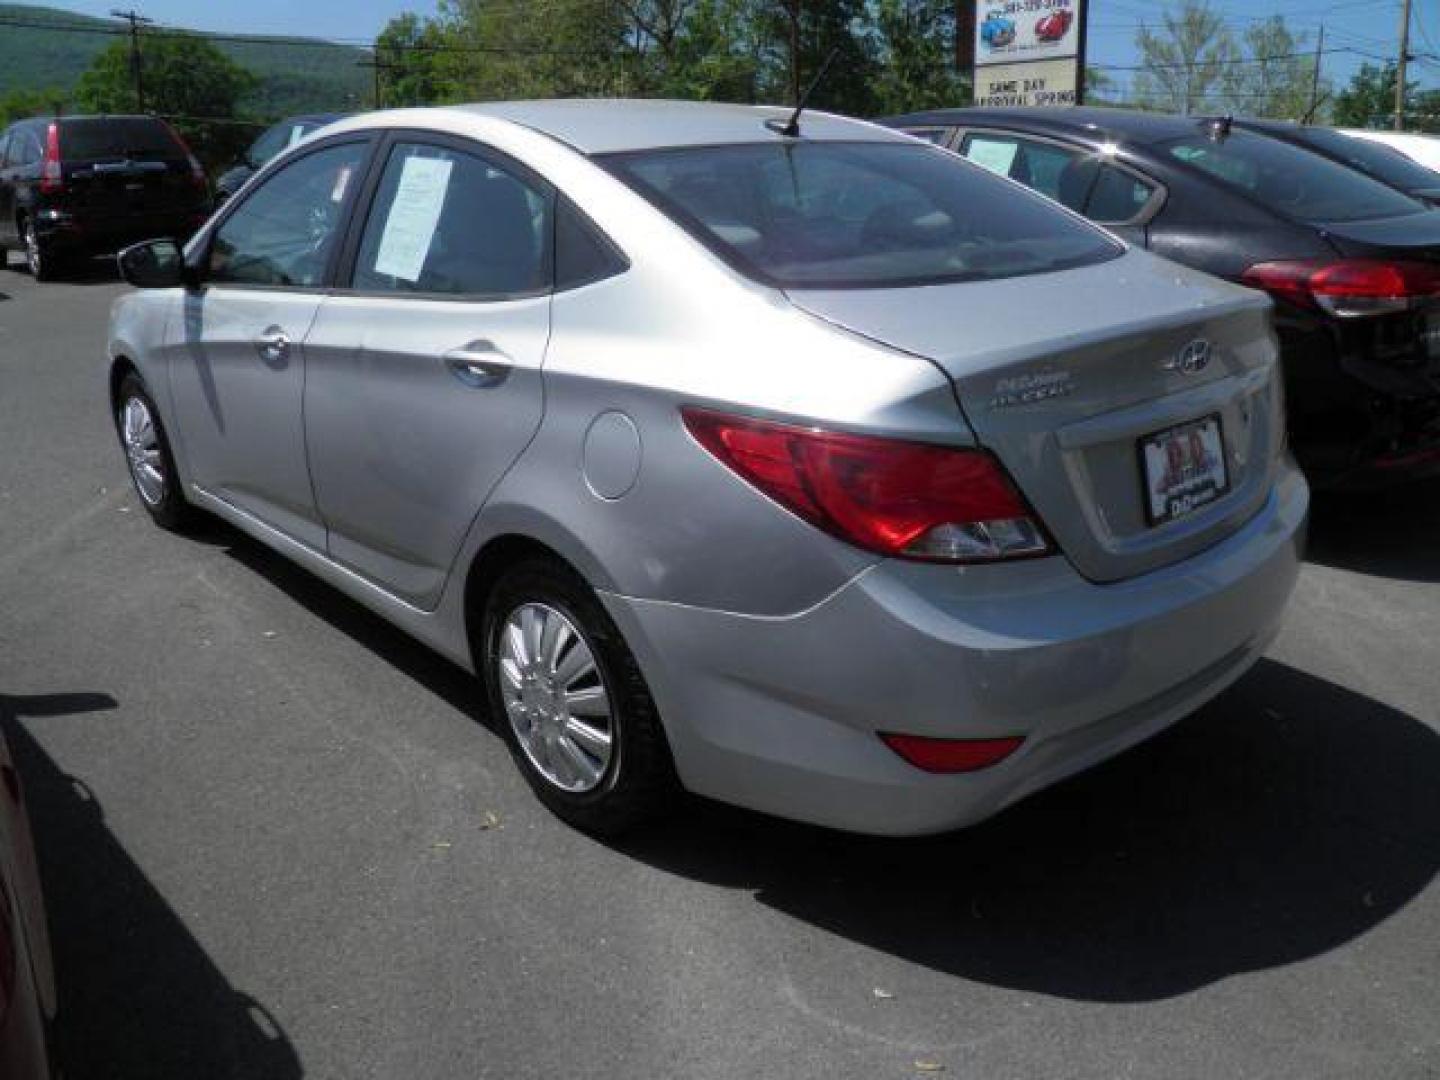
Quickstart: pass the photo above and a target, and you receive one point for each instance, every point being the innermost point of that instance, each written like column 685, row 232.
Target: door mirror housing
column 154, row 264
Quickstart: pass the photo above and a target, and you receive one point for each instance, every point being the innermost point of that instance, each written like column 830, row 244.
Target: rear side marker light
column 951, row 755
column 1348, row 288
column 897, row 498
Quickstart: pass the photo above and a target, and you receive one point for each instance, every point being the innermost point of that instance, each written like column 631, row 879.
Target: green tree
column 798, row 35
column 1369, row 100
column 186, row 79
column 1186, row 60
column 408, row 51
column 1277, row 78
column 916, row 66
column 19, row 104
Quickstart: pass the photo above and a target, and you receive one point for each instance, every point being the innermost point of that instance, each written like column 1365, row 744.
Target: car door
column 424, row 380
column 1089, row 183
column 237, row 367
column 7, row 193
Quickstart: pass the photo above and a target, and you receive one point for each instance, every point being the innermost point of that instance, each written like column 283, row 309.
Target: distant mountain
column 294, row 74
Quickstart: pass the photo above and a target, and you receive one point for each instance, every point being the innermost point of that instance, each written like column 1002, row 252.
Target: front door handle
column 479, row 365
column 273, row 345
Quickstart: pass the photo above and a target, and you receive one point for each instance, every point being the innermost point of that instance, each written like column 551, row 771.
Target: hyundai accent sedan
column 816, row 471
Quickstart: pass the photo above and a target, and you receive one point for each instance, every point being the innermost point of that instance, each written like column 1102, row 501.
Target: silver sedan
column 820, row 472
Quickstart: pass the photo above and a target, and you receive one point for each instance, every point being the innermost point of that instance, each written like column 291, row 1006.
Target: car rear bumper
column 77, row 233
column 782, row 714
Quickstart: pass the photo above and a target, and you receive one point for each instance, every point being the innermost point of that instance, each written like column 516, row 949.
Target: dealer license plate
column 1184, row 469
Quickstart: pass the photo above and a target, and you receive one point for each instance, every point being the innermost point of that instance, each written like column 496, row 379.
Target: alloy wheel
column 142, row 450
column 34, row 258
column 555, row 697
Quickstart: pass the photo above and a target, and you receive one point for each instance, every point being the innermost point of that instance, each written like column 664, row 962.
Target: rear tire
column 40, row 260
column 561, row 682
column 147, row 452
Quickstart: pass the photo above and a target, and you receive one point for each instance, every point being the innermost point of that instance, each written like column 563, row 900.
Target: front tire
column 147, row 452
column 579, row 718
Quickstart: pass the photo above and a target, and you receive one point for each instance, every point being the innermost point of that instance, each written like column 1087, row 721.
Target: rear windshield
column 1383, row 162
column 138, row 139
column 1293, row 181
column 858, row 215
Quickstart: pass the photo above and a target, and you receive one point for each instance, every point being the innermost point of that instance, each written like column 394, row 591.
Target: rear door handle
column 273, row 345
column 479, row 365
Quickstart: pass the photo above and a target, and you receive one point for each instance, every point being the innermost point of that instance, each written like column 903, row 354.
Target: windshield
column 858, row 215
column 1380, row 161
column 138, row 139
column 1293, row 181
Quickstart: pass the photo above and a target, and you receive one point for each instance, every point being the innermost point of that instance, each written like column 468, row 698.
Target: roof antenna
column 791, row 128
column 1219, row 127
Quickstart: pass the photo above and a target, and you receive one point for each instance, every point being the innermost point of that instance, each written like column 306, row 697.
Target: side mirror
column 154, row 264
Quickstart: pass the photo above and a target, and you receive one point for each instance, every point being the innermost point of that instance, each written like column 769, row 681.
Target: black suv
column 77, row 186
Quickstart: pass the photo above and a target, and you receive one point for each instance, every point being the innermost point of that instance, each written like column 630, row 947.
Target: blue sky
column 1359, row 27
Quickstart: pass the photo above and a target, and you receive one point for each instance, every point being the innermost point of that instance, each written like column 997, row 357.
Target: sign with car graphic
column 1028, row 52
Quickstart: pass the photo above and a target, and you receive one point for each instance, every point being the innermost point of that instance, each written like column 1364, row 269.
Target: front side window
column 857, row 214
column 455, row 224
column 1059, row 172
column 1296, row 182
column 286, row 229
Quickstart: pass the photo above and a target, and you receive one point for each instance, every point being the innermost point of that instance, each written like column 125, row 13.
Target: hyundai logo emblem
column 1194, row 357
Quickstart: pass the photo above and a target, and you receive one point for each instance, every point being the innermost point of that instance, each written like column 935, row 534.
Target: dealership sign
column 1029, row 52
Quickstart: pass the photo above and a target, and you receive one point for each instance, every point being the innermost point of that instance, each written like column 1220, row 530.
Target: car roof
column 610, row 125
column 1085, row 121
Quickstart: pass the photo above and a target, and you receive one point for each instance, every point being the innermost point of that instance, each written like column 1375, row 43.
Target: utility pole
column 1315, row 77
column 135, row 19
column 1400, row 65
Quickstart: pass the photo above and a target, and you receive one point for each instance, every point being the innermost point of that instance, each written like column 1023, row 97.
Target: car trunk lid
column 1066, row 375
column 1410, row 236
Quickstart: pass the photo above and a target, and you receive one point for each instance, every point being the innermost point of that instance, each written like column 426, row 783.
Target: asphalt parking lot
column 279, row 840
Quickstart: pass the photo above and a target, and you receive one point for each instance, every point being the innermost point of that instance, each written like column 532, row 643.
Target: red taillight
column 898, row 498
column 952, row 755
column 1348, row 287
column 52, row 176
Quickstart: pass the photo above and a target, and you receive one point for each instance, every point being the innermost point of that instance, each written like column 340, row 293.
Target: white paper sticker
column 410, row 227
column 296, row 134
column 993, row 155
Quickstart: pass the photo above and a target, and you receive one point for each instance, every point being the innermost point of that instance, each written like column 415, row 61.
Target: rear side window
column 284, row 231
column 857, row 215
column 1295, row 182
column 138, row 139
column 582, row 254
column 454, row 223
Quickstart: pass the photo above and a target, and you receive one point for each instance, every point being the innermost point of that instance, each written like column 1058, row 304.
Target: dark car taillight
column 52, row 175
column 1348, row 288
column 904, row 499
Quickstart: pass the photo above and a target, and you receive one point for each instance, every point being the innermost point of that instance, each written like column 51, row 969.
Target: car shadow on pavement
column 1285, row 819
column 1288, row 817
column 1393, row 533
column 139, row 997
